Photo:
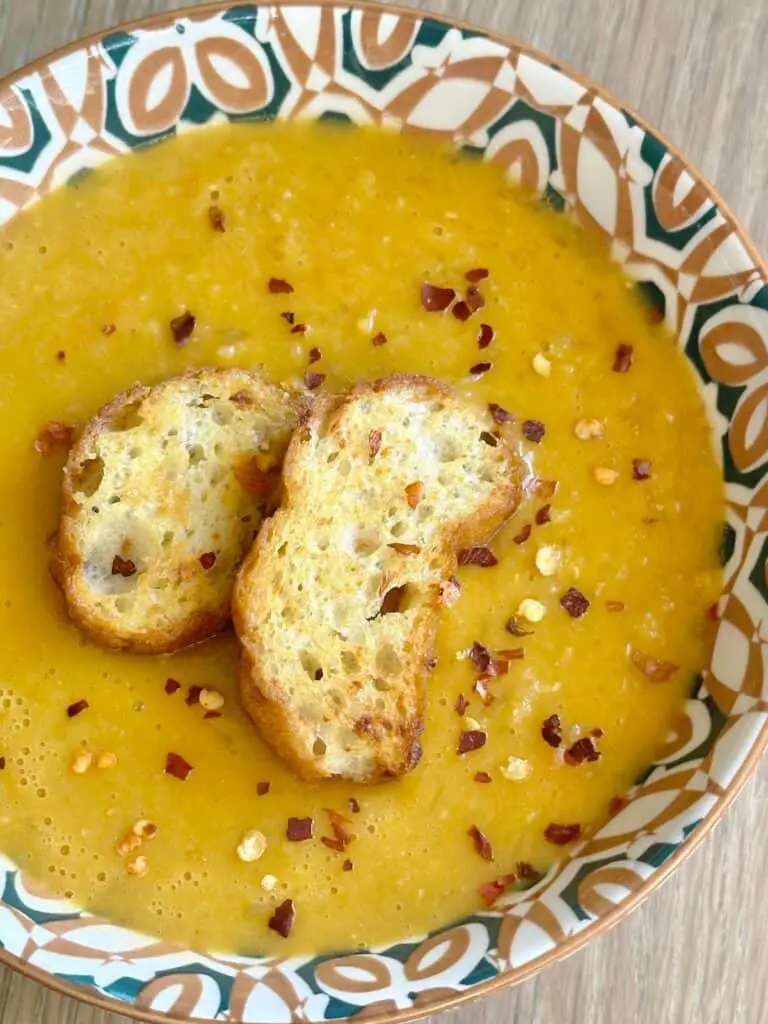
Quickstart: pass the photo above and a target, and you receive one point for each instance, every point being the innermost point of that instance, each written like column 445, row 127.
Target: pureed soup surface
column 356, row 221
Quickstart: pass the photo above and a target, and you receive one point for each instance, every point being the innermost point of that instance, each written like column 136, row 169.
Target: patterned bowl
column 550, row 129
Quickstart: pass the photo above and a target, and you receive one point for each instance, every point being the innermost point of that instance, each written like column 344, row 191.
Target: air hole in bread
column 88, row 478
column 122, row 604
column 332, row 458
column 398, row 528
column 387, row 661
column 134, row 453
column 218, row 448
column 425, row 512
column 282, row 550
column 167, row 538
column 128, row 417
column 367, row 542
column 318, row 747
column 446, row 449
column 311, row 665
column 115, row 500
column 349, row 661
column 344, row 467
column 382, row 685
column 196, row 454
column 222, row 414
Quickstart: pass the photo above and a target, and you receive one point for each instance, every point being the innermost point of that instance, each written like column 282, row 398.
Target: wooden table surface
column 695, row 953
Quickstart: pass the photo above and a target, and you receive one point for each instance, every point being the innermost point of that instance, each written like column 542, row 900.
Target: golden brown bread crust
column 391, row 738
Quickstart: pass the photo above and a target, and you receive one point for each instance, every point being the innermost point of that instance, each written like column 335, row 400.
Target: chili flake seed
column 353, row 805
column 517, row 769
column 481, row 556
column 81, row 762
column 299, row 829
column 482, row 842
column 623, row 359
column 182, row 327
column 379, row 339
column 490, row 439
column 531, row 610
column 435, row 299
column 534, row 430
column 193, row 695
column 128, row 844
column 77, row 708
column 277, row 286
column 552, row 731
column 269, row 883
column 211, row 700
column 582, row 750
column 641, row 469
column 548, row 560
column 475, row 299
column 414, row 493
column 513, row 626
column 217, row 219
column 108, row 329
column 54, row 435
column 654, row 669
column 479, row 369
column 450, row 592
column 347, row 865
column 176, row 766
column 500, row 414
column 586, row 429
column 461, row 311
column 138, row 866
column 123, row 567
column 315, row 355
column 543, row 515
column 523, row 535
column 299, row 329
column 208, row 560
column 485, row 335
column 144, row 829
column 541, row 365
column 574, row 602
column 614, row 606
column 605, row 476
column 480, row 657
column 561, row 835
column 211, row 714
column 289, row 316
column 471, row 739
column 544, row 489
column 283, row 918
column 2, row 764
column 461, row 704
column 313, row 380
column 251, row 846
column 483, row 777
column 106, row 759
column 262, row 788
column 61, row 355
column 477, row 274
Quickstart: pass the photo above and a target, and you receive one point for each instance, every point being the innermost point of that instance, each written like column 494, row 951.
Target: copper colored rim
column 692, row 842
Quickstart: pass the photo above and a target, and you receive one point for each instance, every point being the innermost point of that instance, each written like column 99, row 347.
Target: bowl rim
column 507, row 979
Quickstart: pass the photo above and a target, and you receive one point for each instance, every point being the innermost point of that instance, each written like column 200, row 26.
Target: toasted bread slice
column 337, row 605
column 161, row 498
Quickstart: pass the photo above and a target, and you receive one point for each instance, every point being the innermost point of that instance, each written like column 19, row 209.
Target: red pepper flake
column 54, row 435
column 475, row 299
column 476, row 275
column 353, row 805
column 513, row 626
column 544, row 489
column 654, row 669
column 534, row 430
column 461, row 311
column 193, row 695
column 414, row 493
column 212, row 714
column 485, row 335
column 552, row 731
column 479, row 555
column 347, row 865
column 176, row 766
column 172, row 685
column 618, row 803
column 543, row 515
column 527, row 872
column 461, row 704
column 405, row 549
column 313, row 380
column 623, row 359
column 392, row 600
column 75, row 709
column 182, row 327
column 614, row 606
column 713, row 612
column 208, row 560
column 483, row 777
column 480, row 657
column 490, row 439
column 379, row 339
column 61, row 355
column 490, row 891
column 299, row 829
column 252, row 477
column 374, row 444
column 108, row 329
column 480, row 368
column 262, row 788
column 278, row 286
column 598, row 733
column 299, row 329
column 315, row 355
column 524, row 534
column 512, row 654
column 484, row 693
column 217, row 219
column 500, row 414
column 283, row 918
column 435, row 299
column 582, row 750
column 561, row 835
column 471, row 739
column 342, row 836
column 574, row 602
column 482, row 842
column 123, row 567
column 289, row 316
column 2, row 764
column 641, row 469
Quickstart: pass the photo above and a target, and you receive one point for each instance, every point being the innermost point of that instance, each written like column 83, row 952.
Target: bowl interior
column 563, row 136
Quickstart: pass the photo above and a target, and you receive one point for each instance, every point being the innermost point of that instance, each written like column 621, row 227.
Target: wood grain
column 698, row 69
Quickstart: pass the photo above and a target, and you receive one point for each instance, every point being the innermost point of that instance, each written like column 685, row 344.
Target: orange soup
column 593, row 619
